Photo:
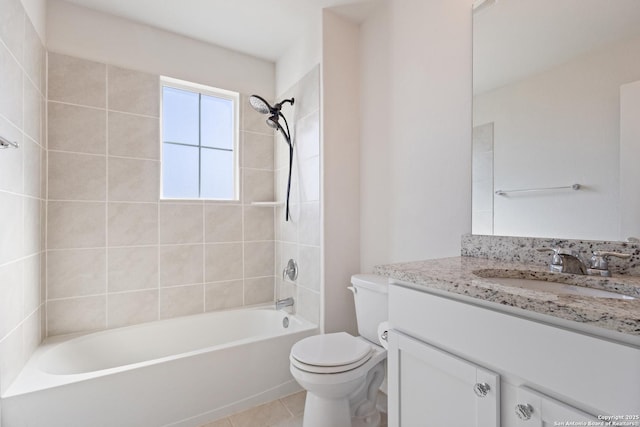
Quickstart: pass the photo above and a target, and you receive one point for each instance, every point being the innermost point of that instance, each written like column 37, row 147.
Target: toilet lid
column 331, row 350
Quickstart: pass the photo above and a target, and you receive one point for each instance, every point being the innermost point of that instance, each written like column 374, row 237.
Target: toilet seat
column 330, row 353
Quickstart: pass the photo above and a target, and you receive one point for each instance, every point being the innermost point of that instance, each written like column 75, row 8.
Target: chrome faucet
column 571, row 262
column 282, row 303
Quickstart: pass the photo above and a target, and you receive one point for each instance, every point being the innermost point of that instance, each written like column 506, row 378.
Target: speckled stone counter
column 457, row 275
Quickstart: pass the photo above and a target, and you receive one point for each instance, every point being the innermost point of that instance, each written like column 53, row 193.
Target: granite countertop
column 456, row 275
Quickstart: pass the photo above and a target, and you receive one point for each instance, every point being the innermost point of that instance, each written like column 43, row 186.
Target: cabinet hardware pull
column 524, row 411
column 481, row 389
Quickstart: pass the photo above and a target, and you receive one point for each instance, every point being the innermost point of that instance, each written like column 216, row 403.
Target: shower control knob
column 481, row 389
column 524, row 412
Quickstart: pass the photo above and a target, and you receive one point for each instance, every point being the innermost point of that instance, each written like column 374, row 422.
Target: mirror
column 556, row 103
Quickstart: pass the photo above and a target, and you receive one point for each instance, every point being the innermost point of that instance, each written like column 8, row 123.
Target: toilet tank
column 371, row 297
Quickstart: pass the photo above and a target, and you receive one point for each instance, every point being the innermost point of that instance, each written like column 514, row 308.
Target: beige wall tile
column 131, row 308
column 77, row 176
column 32, row 168
column 31, row 284
column 309, row 273
column 257, row 150
column 223, row 295
column 259, row 290
column 11, row 358
column 287, row 231
column 133, row 224
column 32, row 228
column 134, row 180
column 308, row 136
column 32, row 104
column 11, row 298
column 134, row 136
column 181, row 265
column 257, row 186
column 133, row 92
column 258, row 223
column 133, row 268
column 76, row 81
column 31, row 334
column 78, row 272
column 11, row 101
column 12, row 26
column 223, row 223
column 34, row 56
column 84, row 314
column 181, row 301
column 75, row 225
column 11, row 227
column 181, row 223
column 259, row 258
column 223, row 262
column 11, row 163
column 77, row 129
column 308, row 304
column 309, row 227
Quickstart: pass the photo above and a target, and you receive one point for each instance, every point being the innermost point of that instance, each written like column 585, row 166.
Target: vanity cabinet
column 439, row 389
column 442, row 348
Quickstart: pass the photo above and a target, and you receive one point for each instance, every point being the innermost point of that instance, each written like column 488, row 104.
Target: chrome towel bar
column 529, row 190
column 5, row 143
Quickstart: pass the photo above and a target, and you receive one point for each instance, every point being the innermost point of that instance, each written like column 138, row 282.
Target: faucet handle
column 600, row 264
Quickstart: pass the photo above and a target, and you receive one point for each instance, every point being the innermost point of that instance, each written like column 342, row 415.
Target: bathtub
column 182, row 372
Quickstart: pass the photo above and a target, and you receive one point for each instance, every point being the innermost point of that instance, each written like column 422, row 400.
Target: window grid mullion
column 200, row 145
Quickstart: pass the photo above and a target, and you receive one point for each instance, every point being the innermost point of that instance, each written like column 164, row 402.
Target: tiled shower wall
column 22, row 88
column 117, row 254
column 299, row 238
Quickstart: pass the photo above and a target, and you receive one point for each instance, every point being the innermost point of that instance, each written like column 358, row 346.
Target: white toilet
column 342, row 373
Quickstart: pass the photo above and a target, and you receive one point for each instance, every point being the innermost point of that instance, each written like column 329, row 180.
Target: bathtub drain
column 285, row 322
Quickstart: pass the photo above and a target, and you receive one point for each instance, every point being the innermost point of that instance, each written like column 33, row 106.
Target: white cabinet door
column 432, row 388
column 534, row 409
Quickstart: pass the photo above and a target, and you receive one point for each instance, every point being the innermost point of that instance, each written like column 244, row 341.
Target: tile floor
column 285, row 412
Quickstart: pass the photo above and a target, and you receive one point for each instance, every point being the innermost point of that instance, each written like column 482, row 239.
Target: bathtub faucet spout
column 282, row 303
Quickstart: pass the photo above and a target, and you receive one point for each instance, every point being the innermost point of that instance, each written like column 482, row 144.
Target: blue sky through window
column 198, row 143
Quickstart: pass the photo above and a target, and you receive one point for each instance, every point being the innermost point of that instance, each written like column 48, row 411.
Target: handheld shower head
column 262, row 106
column 272, row 122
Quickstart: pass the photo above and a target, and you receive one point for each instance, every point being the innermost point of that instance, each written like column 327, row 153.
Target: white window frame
column 217, row 93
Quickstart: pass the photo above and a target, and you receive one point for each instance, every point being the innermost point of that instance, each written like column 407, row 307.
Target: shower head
column 260, row 104
column 272, row 122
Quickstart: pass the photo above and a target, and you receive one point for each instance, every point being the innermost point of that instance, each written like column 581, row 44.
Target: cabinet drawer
column 601, row 376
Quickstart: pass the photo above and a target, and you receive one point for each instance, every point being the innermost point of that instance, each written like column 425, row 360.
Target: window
column 199, row 141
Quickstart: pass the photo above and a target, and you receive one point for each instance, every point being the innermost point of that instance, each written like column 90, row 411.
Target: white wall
column 341, row 168
column 376, row 145
column 302, row 56
column 629, row 157
column 423, row 132
column 80, row 32
column 558, row 128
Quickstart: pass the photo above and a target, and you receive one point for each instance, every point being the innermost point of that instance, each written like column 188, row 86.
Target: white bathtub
column 178, row 372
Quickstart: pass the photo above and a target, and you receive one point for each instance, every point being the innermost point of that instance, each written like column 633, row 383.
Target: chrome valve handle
column 290, row 271
column 524, row 412
column 599, row 264
column 481, row 389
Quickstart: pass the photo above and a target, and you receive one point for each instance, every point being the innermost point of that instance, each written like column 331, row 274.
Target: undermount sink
column 556, row 287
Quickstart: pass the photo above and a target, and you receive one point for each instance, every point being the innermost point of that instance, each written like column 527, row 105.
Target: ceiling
column 513, row 39
column 261, row 28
